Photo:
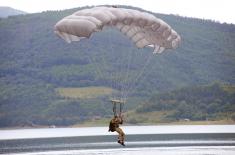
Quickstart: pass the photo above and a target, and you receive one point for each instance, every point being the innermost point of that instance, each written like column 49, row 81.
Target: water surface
column 129, row 130
column 148, row 140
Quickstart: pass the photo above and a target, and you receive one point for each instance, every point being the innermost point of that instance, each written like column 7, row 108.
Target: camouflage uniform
column 114, row 126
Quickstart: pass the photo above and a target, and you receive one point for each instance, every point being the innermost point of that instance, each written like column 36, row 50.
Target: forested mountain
column 8, row 11
column 34, row 63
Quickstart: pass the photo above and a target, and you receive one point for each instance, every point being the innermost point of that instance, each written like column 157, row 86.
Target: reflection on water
column 148, row 140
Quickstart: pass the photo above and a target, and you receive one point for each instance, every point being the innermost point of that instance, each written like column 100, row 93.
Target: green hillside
column 35, row 63
column 213, row 102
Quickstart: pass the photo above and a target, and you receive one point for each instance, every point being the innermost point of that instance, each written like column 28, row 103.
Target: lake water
column 148, row 140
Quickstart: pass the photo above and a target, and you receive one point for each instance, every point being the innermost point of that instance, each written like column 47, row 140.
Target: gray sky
column 218, row 10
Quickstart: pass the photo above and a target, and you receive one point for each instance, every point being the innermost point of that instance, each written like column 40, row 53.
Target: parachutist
column 114, row 126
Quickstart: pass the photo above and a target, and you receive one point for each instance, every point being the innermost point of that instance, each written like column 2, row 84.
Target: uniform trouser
column 121, row 135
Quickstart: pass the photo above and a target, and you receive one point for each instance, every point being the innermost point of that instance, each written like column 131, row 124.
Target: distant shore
column 104, row 123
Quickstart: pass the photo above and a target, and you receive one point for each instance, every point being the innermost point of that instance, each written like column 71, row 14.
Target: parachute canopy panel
column 144, row 29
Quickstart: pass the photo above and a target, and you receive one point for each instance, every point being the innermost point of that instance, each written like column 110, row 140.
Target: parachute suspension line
column 132, row 87
column 92, row 61
column 147, row 72
column 117, row 80
column 101, row 65
column 124, row 69
column 116, row 77
column 120, row 70
column 133, row 56
column 126, row 77
column 112, row 74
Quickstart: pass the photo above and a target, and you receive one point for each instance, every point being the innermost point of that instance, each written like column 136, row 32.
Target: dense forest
column 194, row 103
column 34, row 63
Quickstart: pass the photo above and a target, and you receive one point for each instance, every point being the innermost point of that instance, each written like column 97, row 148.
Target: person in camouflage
column 114, row 126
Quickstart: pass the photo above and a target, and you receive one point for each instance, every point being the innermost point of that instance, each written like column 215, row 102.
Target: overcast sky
column 218, row 10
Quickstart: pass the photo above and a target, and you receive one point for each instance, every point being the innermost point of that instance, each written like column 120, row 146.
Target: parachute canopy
column 142, row 28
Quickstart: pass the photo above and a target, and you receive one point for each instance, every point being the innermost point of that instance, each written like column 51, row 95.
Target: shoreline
column 93, row 124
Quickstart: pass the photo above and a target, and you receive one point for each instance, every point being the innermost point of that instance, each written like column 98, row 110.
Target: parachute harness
column 115, row 104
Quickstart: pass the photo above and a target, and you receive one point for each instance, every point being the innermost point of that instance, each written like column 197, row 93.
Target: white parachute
column 142, row 28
